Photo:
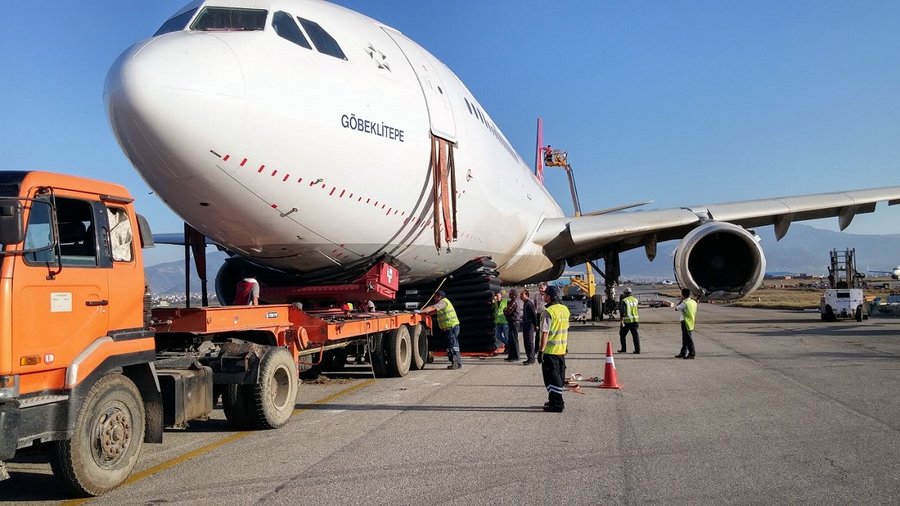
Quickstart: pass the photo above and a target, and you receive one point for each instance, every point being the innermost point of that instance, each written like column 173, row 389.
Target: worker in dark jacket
column 513, row 312
column 530, row 319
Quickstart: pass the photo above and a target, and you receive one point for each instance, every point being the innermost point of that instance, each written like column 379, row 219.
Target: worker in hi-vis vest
column 688, row 309
column 500, row 325
column 628, row 309
column 448, row 324
column 554, row 346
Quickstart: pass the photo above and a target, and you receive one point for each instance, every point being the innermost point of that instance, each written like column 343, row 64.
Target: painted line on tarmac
column 146, row 473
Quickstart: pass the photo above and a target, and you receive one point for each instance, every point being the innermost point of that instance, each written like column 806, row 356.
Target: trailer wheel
column 335, row 360
column 106, row 443
column 399, row 352
column 829, row 314
column 859, row 315
column 419, row 339
column 236, row 406
column 272, row 399
column 378, row 355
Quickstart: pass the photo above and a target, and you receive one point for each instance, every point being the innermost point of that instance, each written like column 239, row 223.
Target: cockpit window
column 324, row 42
column 286, row 28
column 229, row 19
column 176, row 23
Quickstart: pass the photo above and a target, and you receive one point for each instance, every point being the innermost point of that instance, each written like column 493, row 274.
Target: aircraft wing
column 583, row 238
column 176, row 239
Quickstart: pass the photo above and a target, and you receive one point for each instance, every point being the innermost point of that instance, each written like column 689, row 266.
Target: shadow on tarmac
column 394, row 407
column 31, row 486
column 859, row 331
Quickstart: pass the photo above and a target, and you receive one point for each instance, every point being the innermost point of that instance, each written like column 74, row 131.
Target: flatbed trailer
column 395, row 341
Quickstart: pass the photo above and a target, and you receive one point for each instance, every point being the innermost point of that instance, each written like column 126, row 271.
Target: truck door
column 60, row 294
column 437, row 98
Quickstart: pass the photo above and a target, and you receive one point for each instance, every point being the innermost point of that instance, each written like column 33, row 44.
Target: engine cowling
column 226, row 282
column 720, row 261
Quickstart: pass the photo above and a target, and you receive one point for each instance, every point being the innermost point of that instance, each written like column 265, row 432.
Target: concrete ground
column 778, row 407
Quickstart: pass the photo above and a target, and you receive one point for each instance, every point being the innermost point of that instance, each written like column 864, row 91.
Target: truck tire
column 378, row 355
column 829, row 314
column 271, row 401
column 859, row 315
column 597, row 307
column 399, row 352
column 419, row 339
column 236, row 406
column 107, row 439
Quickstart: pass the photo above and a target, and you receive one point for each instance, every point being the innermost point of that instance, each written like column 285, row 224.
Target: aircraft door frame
column 437, row 99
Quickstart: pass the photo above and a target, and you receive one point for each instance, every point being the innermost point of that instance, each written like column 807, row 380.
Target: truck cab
column 71, row 309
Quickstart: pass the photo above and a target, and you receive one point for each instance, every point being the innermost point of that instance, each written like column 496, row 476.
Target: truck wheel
column 419, row 339
column 829, row 314
column 272, row 399
column 399, row 352
column 106, row 443
column 236, row 407
column 859, row 316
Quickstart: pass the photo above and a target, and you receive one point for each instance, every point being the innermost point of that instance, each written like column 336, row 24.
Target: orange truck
column 89, row 372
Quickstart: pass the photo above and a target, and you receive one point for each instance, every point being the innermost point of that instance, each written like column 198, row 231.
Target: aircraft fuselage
column 304, row 161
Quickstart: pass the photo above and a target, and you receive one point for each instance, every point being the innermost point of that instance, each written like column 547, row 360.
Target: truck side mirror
column 12, row 226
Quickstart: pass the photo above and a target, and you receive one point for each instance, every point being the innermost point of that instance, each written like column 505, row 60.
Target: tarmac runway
column 779, row 407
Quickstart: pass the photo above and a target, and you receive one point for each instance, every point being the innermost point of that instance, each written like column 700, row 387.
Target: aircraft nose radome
column 175, row 94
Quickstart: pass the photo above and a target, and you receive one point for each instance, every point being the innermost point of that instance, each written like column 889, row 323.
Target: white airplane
column 895, row 272
column 300, row 136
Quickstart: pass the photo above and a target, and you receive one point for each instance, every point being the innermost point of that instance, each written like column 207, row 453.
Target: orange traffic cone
column 609, row 372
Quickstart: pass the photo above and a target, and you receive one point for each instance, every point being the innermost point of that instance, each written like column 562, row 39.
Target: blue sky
column 677, row 102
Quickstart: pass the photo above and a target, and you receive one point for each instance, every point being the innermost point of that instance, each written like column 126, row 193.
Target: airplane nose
column 175, row 94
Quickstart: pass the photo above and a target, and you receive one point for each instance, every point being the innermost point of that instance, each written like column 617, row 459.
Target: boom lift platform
column 599, row 308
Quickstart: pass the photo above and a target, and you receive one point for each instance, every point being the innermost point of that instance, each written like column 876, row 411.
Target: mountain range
column 804, row 250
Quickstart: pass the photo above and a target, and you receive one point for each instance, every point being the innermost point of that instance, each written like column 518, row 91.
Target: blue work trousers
column 453, row 345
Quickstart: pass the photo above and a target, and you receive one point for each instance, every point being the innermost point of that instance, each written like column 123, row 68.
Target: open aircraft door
column 440, row 113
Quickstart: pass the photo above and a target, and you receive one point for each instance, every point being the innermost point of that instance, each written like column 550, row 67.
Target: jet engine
column 226, row 282
column 720, row 261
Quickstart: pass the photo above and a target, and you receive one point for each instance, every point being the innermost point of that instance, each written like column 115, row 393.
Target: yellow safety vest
column 689, row 313
column 446, row 318
column 499, row 317
column 631, row 309
column 558, row 333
